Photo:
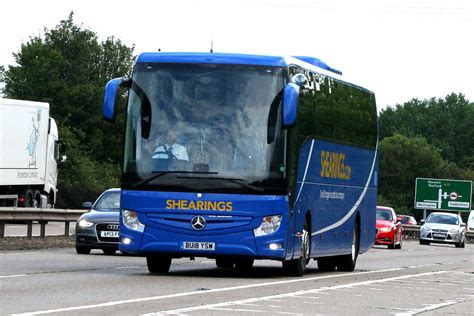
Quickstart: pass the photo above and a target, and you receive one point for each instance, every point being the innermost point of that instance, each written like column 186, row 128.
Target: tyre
column 424, row 242
column 109, row 251
column 399, row 245
column 158, row 264
column 348, row 262
column 326, row 264
column 461, row 243
column 391, row 246
column 244, row 265
column 36, row 199
column 83, row 250
column 297, row 267
column 28, row 194
column 225, row 263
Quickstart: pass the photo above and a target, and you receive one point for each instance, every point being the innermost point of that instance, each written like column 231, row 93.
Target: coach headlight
column 130, row 220
column 270, row 225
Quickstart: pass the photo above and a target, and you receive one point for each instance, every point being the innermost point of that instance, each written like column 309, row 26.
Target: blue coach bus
column 243, row 157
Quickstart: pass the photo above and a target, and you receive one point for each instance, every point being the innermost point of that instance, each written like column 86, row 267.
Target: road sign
column 445, row 195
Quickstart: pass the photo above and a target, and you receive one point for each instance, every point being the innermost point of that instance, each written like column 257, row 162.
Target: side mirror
column 422, row 222
column 463, row 224
column 87, row 205
column 112, row 90
column 290, row 104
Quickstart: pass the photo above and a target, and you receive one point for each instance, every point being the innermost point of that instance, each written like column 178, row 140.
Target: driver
column 170, row 149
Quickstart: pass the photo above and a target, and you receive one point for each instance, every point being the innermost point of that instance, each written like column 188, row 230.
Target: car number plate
column 197, row 245
column 110, row 234
column 439, row 235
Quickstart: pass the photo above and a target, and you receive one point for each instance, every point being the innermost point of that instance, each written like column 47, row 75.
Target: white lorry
column 28, row 154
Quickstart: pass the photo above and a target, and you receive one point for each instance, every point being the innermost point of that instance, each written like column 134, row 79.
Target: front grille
column 107, row 227
column 440, row 230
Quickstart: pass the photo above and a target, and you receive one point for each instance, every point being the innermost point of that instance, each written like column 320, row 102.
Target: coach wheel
column 326, row 264
column 244, row 265
column 348, row 262
column 297, row 267
column 225, row 263
column 158, row 264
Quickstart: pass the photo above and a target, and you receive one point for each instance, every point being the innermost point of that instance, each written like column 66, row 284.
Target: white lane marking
column 128, row 267
column 430, row 308
column 12, row 276
column 291, row 294
column 226, row 289
column 16, row 253
column 238, row 310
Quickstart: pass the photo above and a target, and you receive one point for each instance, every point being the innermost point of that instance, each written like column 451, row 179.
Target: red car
column 389, row 228
column 407, row 220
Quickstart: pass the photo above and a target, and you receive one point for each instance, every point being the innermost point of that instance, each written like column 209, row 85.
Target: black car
column 99, row 228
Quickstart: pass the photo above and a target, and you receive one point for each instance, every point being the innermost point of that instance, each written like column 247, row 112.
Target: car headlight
column 130, row 220
column 386, row 229
column 270, row 225
column 454, row 231
column 423, row 228
column 83, row 223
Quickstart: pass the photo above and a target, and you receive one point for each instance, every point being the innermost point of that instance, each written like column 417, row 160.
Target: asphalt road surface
column 427, row 280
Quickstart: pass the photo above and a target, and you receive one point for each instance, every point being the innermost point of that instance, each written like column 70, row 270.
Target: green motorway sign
column 446, row 195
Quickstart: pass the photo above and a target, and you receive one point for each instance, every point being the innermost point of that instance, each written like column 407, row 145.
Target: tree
column 445, row 123
column 68, row 67
column 404, row 159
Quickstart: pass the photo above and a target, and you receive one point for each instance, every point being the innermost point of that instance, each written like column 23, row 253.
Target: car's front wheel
column 83, row 250
column 424, row 242
column 461, row 243
column 399, row 245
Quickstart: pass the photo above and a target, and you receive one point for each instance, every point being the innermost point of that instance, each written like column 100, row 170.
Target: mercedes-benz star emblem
column 198, row 222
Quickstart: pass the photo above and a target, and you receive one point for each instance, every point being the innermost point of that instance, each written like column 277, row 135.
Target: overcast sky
column 400, row 49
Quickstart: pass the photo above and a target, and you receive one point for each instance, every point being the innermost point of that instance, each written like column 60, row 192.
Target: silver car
column 99, row 228
column 444, row 228
column 470, row 222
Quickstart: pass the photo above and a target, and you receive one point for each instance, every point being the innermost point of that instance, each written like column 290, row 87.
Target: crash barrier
column 413, row 232
column 41, row 215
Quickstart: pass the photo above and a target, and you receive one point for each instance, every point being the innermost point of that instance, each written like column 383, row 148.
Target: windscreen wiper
column 233, row 180
column 162, row 173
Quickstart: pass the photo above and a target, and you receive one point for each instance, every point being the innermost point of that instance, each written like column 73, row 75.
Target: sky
column 399, row 49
